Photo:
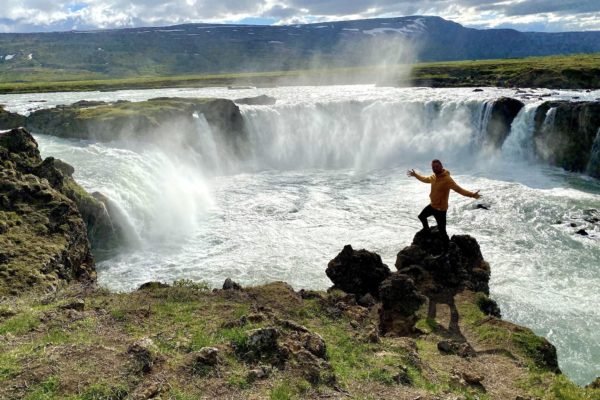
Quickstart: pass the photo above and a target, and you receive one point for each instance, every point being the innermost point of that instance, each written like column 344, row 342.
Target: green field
column 574, row 72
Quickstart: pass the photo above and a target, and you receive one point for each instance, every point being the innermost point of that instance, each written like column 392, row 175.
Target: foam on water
column 326, row 167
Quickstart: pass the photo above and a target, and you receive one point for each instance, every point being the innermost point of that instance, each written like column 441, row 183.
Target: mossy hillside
column 53, row 350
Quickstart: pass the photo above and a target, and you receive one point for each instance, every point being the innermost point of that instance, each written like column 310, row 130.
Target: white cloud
column 41, row 15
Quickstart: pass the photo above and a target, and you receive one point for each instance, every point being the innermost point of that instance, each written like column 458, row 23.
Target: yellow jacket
column 440, row 189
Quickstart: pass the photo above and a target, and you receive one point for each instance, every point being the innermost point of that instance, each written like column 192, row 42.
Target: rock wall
column 43, row 239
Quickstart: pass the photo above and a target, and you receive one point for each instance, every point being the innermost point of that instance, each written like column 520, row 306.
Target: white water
column 326, row 167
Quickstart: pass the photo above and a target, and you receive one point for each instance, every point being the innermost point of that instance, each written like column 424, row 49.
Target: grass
column 93, row 346
column 573, row 71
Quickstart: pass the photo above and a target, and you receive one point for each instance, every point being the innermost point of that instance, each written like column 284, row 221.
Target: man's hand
column 477, row 195
column 411, row 172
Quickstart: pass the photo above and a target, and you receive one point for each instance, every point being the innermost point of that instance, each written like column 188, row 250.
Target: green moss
column 426, row 325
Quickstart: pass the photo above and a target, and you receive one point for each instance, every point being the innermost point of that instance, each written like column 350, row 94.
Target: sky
column 64, row 15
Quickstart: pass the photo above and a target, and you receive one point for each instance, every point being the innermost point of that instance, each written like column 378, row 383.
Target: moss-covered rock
column 146, row 119
column 43, row 237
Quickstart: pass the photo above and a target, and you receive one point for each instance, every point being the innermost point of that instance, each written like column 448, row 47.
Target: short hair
column 436, row 161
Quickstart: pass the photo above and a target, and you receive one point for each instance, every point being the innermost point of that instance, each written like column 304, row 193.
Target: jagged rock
column 489, row 306
column 153, row 285
column 595, row 384
column 144, row 353
column 434, row 268
column 49, row 241
column 357, row 271
column 261, row 372
column 546, row 355
column 262, row 100
column 582, row 232
column 76, row 304
column 472, row 378
column 367, row 300
column 403, row 377
column 462, row 349
column 400, row 299
column 504, row 111
column 229, row 284
column 263, row 339
column 568, row 136
column 315, row 370
column 206, row 356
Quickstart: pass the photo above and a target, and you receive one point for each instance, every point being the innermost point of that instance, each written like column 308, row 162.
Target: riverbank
column 553, row 72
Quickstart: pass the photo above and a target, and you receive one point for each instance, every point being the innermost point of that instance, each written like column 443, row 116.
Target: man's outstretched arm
column 424, row 179
column 454, row 186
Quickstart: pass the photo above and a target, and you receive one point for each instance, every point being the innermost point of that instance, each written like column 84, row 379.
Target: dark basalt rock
column 262, row 100
column 569, row 137
column 504, row 111
column 434, row 268
column 400, row 300
column 357, row 271
column 10, row 120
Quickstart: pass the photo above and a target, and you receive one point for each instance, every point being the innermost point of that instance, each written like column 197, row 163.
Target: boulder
column 229, row 284
column 566, row 135
column 434, row 268
column 504, row 110
column 400, row 300
column 206, row 356
column 357, row 271
column 143, row 354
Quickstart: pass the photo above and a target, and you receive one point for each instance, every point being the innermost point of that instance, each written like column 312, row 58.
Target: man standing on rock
column 441, row 183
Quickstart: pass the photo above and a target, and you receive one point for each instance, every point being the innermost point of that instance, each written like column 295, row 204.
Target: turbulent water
column 325, row 167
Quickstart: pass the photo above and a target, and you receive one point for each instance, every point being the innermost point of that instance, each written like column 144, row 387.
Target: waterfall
column 359, row 135
column 593, row 167
column 518, row 146
column 484, row 120
column 209, row 152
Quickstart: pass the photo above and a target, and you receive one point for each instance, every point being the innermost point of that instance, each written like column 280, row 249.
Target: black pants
column 440, row 218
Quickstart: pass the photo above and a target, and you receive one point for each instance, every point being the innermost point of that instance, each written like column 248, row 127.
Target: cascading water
column 593, row 167
column 518, row 146
column 325, row 167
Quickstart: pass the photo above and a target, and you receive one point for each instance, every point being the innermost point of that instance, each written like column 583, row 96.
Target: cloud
column 40, row 15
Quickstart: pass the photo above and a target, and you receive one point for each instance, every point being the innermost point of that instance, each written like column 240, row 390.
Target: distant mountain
column 209, row 48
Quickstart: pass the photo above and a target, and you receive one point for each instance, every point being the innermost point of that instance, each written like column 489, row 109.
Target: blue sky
column 525, row 15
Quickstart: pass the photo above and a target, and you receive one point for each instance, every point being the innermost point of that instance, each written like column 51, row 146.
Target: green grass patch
column 104, row 391
column 20, row 324
column 46, row 390
column 282, row 391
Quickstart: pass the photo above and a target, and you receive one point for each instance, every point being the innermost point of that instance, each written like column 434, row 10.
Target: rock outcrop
column 262, row 100
column 10, row 120
column 504, row 110
column 43, row 239
column 126, row 120
column 566, row 135
column 357, row 271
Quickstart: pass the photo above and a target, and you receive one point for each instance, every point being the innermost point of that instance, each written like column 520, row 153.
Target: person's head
column 436, row 166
